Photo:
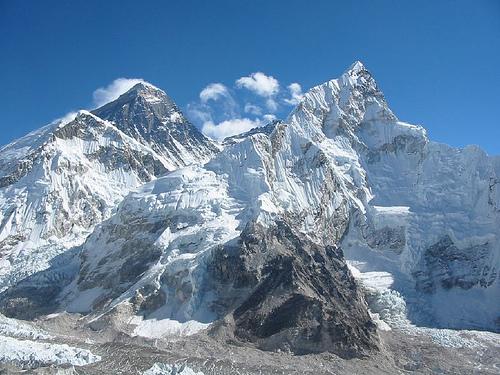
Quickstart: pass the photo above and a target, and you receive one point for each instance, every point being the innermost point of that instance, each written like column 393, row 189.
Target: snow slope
column 163, row 231
column 57, row 183
column 62, row 185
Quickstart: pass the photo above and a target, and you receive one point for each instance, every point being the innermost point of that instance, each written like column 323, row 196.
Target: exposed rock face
column 387, row 238
column 147, row 114
column 443, row 265
column 285, row 292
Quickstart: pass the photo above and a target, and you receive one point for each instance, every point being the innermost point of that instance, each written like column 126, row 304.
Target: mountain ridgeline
column 129, row 214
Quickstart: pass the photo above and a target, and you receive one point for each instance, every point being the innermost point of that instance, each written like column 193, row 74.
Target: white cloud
column 269, row 117
column 229, row 127
column 222, row 112
column 66, row 119
column 111, row 92
column 217, row 98
column 253, row 109
column 271, row 105
column 295, row 94
column 213, row 91
column 260, row 84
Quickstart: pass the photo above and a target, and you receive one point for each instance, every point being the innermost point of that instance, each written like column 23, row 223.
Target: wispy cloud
column 66, row 119
column 272, row 105
column 216, row 104
column 253, row 109
column 111, row 92
column 213, row 91
column 296, row 95
column 223, row 111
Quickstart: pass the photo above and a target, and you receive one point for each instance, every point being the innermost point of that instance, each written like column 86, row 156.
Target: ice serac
column 147, row 114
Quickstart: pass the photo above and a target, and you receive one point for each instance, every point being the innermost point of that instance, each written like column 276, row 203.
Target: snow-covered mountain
column 58, row 182
column 253, row 241
column 432, row 219
column 148, row 115
column 427, row 213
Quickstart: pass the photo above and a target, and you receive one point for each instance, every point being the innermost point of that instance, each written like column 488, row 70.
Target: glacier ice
column 166, row 369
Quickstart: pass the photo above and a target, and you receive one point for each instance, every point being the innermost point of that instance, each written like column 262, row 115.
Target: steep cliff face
column 418, row 193
column 149, row 115
column 283, row 291
column 446, row 266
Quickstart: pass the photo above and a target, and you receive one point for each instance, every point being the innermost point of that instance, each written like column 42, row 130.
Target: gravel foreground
column 401, row 352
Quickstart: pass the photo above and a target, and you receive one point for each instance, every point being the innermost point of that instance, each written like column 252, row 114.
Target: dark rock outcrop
column 285, row 292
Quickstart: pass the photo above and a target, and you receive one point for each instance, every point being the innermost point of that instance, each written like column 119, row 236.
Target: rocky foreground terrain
column 339, row 240
column 402, row 350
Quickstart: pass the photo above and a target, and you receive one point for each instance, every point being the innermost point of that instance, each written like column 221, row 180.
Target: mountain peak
column 147, row 114
column 144, row 86
column 357, row 72
column 347, row 101
column 140, row 98
column 355, row 76
column 147, row 91
column 356, row 68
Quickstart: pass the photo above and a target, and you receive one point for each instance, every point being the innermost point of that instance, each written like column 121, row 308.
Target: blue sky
column 438, row 62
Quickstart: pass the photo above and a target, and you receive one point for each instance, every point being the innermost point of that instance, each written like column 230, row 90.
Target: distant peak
column 143, row 90
column 356, row 68
column 81, row 115
column 144, row 87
